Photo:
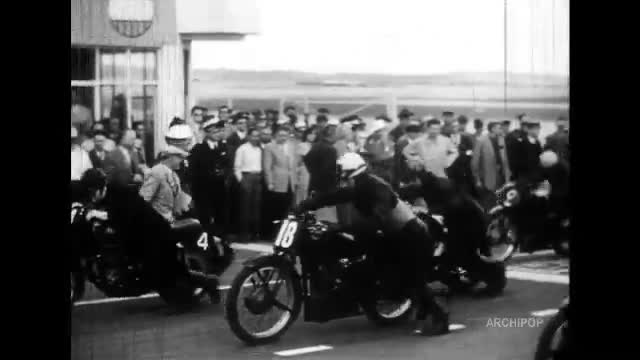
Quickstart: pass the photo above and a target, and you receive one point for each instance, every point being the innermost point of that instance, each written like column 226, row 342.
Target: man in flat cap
column 181, row 136
column 211, row 165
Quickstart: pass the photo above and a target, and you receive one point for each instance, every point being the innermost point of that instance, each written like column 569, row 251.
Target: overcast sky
column 398, row 37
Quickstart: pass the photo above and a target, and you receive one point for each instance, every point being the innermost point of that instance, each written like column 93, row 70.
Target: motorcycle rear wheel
column 399, row 312
column 245, row 279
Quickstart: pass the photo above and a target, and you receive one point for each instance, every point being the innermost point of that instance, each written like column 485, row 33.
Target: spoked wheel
column 502, row 241
column 388, row 312
column 264, row 300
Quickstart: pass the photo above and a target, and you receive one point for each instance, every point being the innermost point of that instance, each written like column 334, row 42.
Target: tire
column 400, row 315
column 76, row 286
column 232, row 300
column 544, row 349
column 495, row 277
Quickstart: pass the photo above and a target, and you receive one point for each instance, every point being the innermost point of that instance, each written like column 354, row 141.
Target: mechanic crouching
column 408, row 246
column 464, row 217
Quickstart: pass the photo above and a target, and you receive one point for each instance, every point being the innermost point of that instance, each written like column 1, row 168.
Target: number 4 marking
column 203, row 241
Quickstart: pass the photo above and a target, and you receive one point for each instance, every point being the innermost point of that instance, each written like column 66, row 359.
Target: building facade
column 130, row 59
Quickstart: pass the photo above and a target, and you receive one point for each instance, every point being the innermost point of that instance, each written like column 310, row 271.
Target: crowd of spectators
column 243, row 170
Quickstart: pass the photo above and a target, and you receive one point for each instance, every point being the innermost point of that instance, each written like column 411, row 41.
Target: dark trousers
column 251, row 199
column 279, row 205
column 211, row 206
column 417, row 266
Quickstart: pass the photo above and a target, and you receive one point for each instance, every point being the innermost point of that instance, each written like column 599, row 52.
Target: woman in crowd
column 162, row 187
column 302, row 148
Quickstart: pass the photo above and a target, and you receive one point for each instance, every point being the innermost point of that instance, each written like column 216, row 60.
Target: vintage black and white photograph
column 319, row 179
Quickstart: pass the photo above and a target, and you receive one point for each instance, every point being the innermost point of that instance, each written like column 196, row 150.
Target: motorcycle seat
column 184, row 224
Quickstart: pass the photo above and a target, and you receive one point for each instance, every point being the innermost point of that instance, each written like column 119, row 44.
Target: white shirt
column 248, row 159
column 80, row 163
column 212, row 144
column 435, row 154
column 241, row 135
column 455, row 139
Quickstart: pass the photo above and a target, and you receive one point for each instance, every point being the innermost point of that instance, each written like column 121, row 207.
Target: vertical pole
column 230, row 103
column 97, row 106
column 128, row 89
column 505, row 57
column 306, row 105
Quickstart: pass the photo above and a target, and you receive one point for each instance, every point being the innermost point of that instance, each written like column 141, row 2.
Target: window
column 108, row 83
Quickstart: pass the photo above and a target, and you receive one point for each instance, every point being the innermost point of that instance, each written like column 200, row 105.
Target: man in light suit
column 122, row 164
column 280, row 162
column 490, row 164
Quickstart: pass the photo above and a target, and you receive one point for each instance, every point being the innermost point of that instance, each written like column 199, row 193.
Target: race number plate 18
column 286, row 234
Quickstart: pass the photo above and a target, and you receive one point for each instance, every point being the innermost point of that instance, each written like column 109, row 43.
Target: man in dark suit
column 460, row 170
column 526, row 150
column 98, row 154
column 321, row 162
column 211, row 168
column 557, row 142
column 513, row 139
column 122, row 165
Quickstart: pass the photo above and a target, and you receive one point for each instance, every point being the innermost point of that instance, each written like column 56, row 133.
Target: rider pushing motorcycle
column 407, row 238
column 145, row 232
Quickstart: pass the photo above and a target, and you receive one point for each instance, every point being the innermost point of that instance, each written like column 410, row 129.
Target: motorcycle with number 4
column 522, row 217
column 318, row 267
column 105, row 262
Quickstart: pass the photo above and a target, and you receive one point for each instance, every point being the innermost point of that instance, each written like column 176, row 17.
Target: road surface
column 505, row 327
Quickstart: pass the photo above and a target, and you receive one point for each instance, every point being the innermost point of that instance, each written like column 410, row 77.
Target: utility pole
column 505, row 57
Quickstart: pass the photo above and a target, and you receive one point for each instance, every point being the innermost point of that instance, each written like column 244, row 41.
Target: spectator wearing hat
column 122, row 165
column 489, row 164
column 181, row 136
column 248, row 172
column 280, row 164
column 239, row 135
column 433, row 152
column 460, row 171
column 98, row 153
column 288, row 116
column 162, row 188
column 322, row 120
column 402, row 173
column 210, row 167
column 80, row 161
column 558, row 142
column 379, row 149
column 523, row 147
column 404, row 117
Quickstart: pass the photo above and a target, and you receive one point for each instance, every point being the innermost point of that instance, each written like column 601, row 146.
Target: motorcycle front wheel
column 263, row 302
column 552, row 344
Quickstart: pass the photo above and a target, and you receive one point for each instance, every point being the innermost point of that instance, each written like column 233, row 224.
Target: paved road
column 147, row 329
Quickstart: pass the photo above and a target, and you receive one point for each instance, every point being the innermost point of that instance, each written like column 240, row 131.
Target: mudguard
column 274, row 259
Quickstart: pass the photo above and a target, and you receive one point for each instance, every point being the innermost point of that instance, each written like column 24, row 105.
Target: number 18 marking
column 286, row 234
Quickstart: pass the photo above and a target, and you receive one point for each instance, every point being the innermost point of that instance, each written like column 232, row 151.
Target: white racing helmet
column 350, row 165
column 548, row 159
